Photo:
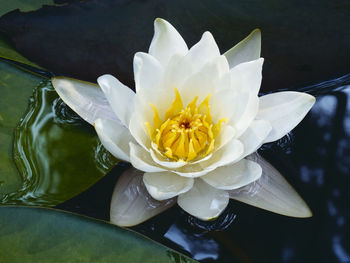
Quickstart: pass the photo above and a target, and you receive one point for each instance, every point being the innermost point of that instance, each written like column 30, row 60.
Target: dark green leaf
column 23, row 5
column 47, row 235
column 15, row 92
column 7, row 51
column 301, row 43
column 48, row 154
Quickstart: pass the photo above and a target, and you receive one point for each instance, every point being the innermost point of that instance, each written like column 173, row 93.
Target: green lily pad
column 48, row 153
column 23, row 5
column 300, row 43
column 15, row 92
column 47, row 235
column 7, row 51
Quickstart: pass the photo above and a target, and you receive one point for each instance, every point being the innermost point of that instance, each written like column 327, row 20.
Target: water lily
column 192, row 128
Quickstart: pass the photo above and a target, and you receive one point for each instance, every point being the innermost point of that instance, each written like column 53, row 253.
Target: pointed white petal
column 114, row 137
column 246, row 50
column 226, row 134
column 246, row 111
column 177, row 71
column 165, row 185
column 203, row 52
column 246, row 77
column 271, row 192
column 233, row 176
column 141, row 159
column 284, row 110
column 85, row 98
column 148, row 73
column 255, row 135
column 166, row 42
column 137, row 128
column 204, row 82
column 203, row 201
column 223, row 104
column 131, row 203
column 119, row 96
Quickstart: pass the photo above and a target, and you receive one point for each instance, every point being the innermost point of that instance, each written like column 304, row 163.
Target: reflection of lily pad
column 56, row 153
column 301, row 43
column 45, row 235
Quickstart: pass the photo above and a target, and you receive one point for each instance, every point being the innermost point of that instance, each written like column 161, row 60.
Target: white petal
column 204, row 51
column 85, row 98
column 148, row 73
column 247, row 109
column 166, row 42
column 225, row 102
column 165, row 185
column 137, row 129
column 177, row 71
column 246, row 50
column 233, row 176
column 114, row 137
column 230, row 153
column 226, row 134
column 131, row 203
column 119, row 96
column 284, row 110
column 272, row 192
column 246, row 77
column 255, row 135
column 203, row 82
column 203, row 201
column 141, row 159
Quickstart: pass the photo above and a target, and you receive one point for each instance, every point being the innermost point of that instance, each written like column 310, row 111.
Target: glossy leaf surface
column 15, row 92
column 47, row 235
column 48, row 153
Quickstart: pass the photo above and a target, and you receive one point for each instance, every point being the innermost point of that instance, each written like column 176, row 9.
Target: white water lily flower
column 192, row 127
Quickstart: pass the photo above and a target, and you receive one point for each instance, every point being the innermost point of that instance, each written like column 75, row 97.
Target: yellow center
column 187, row 133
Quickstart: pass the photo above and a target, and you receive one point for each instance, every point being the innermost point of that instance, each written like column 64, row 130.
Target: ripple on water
column 57, row 154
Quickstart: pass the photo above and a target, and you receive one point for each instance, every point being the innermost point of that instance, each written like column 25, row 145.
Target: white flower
column 193, row 127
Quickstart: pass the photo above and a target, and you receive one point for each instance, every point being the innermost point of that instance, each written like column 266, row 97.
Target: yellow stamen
column 175, row 107
column 156, row 119
column 186, row 133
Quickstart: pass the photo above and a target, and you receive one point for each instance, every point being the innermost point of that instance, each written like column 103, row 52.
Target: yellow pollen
column 186, row 133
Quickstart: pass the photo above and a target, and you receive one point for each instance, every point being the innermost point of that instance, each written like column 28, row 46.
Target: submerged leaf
column 107, row 41
column 23, row 5
column 47, row 235
column 271, row 192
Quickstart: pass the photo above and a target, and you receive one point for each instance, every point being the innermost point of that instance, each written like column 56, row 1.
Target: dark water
column 302, row 41
column 315, row 159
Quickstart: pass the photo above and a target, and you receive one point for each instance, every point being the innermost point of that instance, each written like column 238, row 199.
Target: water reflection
column 200, row 246
column 314, row 159
column 48, row 138
column 342, row 255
